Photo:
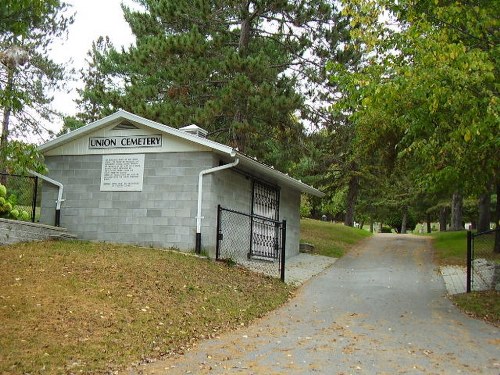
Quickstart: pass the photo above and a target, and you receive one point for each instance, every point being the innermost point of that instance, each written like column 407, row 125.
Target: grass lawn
column 71, row 307
column 330, row 239
column 481, row 305
column 451, row 249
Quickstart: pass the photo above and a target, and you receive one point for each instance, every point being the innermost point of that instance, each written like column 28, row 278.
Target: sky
column 93, row 18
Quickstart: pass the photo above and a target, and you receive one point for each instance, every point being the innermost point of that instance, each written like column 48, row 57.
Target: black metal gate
column 252, row 241
column 483, row 260
column 265, row 211
column 22, row 194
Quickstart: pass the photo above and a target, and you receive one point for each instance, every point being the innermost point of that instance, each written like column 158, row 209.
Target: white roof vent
column 195, row 130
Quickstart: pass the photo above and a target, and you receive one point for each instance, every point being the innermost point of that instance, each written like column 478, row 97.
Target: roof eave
column 121, row 114
column 215, row 146
column 280, row 176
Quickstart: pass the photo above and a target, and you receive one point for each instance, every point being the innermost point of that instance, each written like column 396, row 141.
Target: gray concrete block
column 153, row 213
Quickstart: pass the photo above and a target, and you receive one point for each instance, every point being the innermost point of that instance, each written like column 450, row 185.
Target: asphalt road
column 379, row 310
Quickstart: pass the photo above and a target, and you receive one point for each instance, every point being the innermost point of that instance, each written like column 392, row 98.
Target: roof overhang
column 276, row 176
column 245, row 161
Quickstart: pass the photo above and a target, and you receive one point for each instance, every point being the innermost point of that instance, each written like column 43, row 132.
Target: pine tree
column 231, row 67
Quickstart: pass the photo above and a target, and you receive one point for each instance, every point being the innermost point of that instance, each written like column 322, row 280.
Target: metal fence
column 22, row 194
column 483, row 260
column 252, row 241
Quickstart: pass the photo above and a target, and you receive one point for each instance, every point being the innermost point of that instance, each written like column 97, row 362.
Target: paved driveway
column 380, row 310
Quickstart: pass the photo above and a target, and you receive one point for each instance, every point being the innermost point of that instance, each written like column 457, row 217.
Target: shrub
column 7, row 204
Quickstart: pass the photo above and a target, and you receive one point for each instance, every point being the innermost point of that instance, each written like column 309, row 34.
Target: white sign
column 126, row 141
column 122, row 172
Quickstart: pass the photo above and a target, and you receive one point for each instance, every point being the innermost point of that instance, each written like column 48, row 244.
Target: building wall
column 233, row 190
column 229, row 189
column 290, row 211
column 164, row 213
column 161, row 215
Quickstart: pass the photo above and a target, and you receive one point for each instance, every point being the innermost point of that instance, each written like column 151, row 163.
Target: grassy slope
column 86, row 307
column 330, row 239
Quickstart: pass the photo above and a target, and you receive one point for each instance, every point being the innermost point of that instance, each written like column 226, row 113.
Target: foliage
column 424, row 101
column 19, row 157
column 27, row 74
column 305, row 206
column 95, row 100
column 8, row 204
column 330, row 239
column 19, row 16
column 70, row 123
column 436, row 99
column 97, row 314
column 394, row 220
column 233, row 68
column 330, row 150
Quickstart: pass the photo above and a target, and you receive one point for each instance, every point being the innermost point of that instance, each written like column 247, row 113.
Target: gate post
column 33, row 203
column 283, row 252
column 218, row 235
column 469, row 261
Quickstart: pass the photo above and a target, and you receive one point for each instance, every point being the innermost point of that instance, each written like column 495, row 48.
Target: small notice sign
column 122, row 172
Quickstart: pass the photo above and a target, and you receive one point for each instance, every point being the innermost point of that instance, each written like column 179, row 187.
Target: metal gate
column 255, row 242
column 483, row 260
column 265, row 212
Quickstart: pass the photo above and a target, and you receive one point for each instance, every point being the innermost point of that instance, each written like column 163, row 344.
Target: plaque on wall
column 122, row 172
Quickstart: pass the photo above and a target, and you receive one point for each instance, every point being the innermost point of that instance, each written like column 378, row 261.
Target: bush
column 395, row 220
column 7, row 204
column 386, row 229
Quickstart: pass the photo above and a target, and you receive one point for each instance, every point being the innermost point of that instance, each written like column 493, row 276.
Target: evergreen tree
column 231, row 67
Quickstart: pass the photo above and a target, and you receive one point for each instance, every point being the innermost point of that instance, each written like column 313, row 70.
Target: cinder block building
column 127, row 179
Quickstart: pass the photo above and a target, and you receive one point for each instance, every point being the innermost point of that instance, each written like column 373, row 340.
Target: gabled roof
column 245, row 161
column 124, row 115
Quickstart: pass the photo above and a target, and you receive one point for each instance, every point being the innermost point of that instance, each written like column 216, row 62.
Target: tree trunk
column 443, row 219
column 352, row 196
column 496, row 248
column 9, row 87
column 456, row 212
column 483, row 222
column 238, row 136
column 371, row 226
column 428, row 220
column 404, row 220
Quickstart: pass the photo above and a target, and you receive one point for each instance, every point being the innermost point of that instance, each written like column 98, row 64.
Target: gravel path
column 379, row 310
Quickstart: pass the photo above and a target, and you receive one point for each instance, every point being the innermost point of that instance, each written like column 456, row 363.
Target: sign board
column 122, row 172
column 125, row 141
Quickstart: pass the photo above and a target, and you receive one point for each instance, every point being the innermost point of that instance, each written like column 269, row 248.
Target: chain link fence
column 254, row 242
column 22, row 199
column 483, row 260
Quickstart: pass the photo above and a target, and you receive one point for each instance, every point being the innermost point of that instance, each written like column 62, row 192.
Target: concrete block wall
column 229, row 189
column 162, row 215
column 13, row 231
column 233, row 190
column 290, row 211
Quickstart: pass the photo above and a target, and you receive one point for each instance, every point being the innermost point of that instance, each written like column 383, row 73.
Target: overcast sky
column 93, row 18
